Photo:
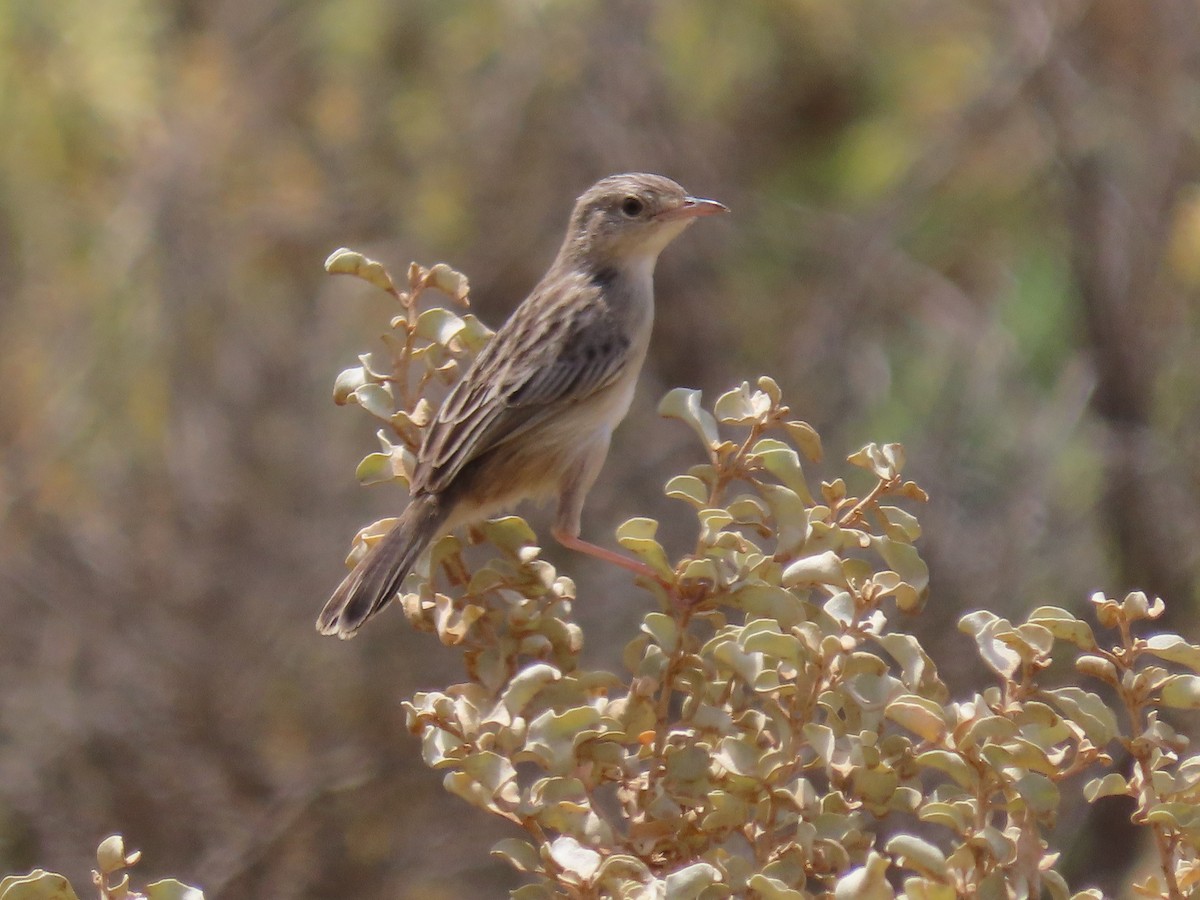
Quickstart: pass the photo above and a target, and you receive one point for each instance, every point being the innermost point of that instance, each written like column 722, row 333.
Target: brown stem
column 664, row 698
column 882, row 487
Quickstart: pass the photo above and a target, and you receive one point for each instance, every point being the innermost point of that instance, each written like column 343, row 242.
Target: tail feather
column 378, row 576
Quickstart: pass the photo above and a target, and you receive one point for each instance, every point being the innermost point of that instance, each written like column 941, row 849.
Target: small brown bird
column 533, row 414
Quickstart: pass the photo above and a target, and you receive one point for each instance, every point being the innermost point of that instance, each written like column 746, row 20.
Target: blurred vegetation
column 111, row 878
column 970, row 227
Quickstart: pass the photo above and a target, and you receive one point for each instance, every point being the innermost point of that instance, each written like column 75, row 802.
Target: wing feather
column 553, row 350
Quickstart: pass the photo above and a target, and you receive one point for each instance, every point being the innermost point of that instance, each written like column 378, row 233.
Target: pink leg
column 574, row 488
column 574, row 542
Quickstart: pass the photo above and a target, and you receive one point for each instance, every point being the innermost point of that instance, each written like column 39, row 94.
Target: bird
column 532, row 416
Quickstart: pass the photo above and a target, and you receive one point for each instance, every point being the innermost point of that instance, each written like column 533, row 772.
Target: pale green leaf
column 474, row 335
column 919, row 855
column 1064, row 626
column 713, row 520
column 765, row 637
column 770, row 387
column 902, row 521
column 748, row 509
column 955, row 816
column 783, row 462
column 740, row 407
column 821, row 568
column 494, row 772
column 1181, row 692
column 552, row 736
column 987, row 729
column 950, row 763
column 170, row 889
column 1111, row 785
column 344, row 261
column 867, row 882
column 519, row 854
column 37, row 885
column 727, row 811
column 511, row 534
column 770, row 601
column 1176, row 815
column 769, row 888
column 526, row 685
column 1173, row 648
column 450, row 282
column 822, row 739
column 790, row 515
column 621, row 866
column 662, row 629
column 1088, row 711
column 806, row 439
column 904, row 560
column 637, row 536
column 995, row 652
column 885, row 462
column 375, row 399
column 377, row 468
column 111, row 855
column 684, row 404
column 439, row 325
column 348, row 381
column 574, row 858
column 918, row 888
column 1137, row 606
column 689, row 489
column 1039, row 792
column 915, row 664
column 687, row 883
column 919, row 715
column 532, row 892
column 739, row 754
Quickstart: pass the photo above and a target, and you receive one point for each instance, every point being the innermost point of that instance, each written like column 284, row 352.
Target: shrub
column 775, row 720
column 110, row 877
column 777, row 733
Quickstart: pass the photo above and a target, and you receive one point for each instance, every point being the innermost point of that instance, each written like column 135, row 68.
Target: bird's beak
column 693, row 208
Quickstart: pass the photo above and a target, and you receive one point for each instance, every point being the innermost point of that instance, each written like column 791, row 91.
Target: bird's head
column 626, row 218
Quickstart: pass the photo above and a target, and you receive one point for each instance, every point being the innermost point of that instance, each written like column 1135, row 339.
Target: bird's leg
column 574, row 487
column 679, row 599
column 574, row 542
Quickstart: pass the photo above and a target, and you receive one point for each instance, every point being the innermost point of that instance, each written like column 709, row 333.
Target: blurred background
column 972, row 227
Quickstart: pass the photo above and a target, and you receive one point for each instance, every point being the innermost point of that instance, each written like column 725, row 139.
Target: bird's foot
column 685, row 594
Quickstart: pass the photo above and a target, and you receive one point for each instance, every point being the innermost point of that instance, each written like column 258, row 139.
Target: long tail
column 377, row 577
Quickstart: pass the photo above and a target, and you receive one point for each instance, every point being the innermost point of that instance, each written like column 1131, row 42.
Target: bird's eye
column 632, row 206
